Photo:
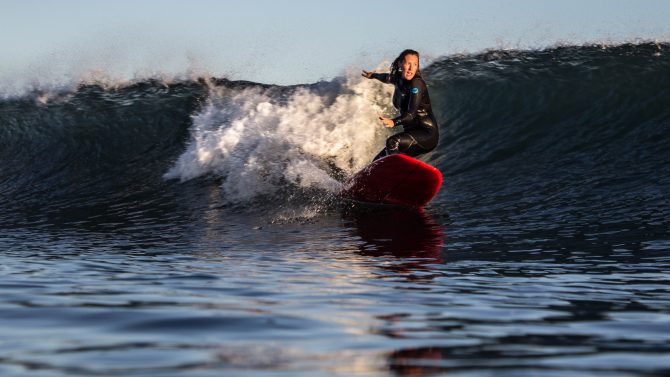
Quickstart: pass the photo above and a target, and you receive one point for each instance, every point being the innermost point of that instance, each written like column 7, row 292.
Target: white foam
column 259, row 144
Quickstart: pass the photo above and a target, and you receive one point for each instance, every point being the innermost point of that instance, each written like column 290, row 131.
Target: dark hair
column 396, row 66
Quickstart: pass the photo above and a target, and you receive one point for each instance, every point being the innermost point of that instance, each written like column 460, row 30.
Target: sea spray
column 258, row 141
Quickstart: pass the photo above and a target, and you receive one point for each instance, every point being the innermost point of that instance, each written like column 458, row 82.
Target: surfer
column 411, row 99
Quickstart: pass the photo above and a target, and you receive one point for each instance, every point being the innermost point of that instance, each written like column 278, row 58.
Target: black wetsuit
column 416, row 116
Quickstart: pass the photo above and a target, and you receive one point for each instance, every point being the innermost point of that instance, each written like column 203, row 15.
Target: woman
column 411, row 99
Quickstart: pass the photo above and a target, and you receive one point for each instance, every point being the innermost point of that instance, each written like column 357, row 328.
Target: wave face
column 560, row 127
column 91, row 142
column 568, row 105
column 568, row 132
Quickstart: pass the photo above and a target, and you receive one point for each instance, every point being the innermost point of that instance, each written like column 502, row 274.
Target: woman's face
column 410, row 66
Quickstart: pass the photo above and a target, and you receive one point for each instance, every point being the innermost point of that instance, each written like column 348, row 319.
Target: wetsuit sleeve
column 383, row 77
column 416, row 92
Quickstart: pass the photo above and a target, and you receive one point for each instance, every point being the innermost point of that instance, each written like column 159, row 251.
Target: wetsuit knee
column 393, row 144
column 403, row 143
column 399, row 143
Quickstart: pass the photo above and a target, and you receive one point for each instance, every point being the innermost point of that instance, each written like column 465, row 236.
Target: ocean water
column 192, row 227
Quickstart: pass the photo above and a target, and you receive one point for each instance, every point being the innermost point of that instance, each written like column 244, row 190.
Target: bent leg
column 401, row 143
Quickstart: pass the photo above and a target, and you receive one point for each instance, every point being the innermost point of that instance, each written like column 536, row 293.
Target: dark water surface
column 344, row 294
column 546, row 253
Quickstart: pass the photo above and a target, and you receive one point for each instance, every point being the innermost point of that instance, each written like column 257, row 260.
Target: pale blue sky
column 293, row 41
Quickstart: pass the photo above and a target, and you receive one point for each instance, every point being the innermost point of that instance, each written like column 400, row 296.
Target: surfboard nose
column 397, row 179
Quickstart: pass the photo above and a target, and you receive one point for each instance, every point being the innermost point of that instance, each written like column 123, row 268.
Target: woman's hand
column 367, row 75
column 388, row 123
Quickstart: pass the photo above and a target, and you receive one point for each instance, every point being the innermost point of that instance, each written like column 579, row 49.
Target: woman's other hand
column 388, row 123
column 367, row 75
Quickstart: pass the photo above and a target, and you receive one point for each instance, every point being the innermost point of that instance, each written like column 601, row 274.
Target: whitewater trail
column 258, row 141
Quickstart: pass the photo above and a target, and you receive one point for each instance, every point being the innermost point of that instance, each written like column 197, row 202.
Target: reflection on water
column 361, row 291
column 402, row 232
column 417, row 361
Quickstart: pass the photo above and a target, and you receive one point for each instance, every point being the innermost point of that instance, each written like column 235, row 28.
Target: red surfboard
column 396, row 179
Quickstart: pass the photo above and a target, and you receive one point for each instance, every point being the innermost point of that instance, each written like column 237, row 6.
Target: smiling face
column 409, row 66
